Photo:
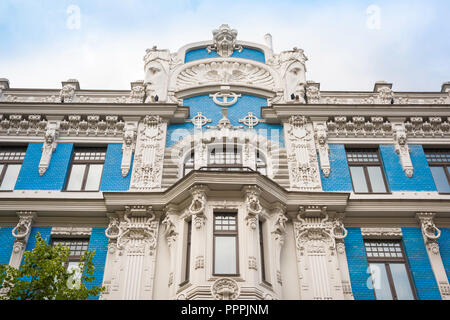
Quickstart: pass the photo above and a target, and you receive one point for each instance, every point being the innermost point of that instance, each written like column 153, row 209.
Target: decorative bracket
column 429, row 230
column 321, row 135
column 402, row 149
column 254, row 208
column 198, row 205
column 48, row 147
column 21, row 232
column 128, row 147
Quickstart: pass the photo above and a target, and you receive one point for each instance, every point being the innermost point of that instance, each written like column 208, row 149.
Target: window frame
column 364, row 165
column 446, row 165
column 391, row 260
column 187, row 158
column 71, row 258
column 237, row 151
column 6, row 163
column 225, row 233
column 88, row 164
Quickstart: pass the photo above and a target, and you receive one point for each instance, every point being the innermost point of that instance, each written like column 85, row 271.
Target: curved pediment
column 224, row 71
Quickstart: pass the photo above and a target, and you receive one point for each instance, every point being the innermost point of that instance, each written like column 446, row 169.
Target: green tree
column 43, row 275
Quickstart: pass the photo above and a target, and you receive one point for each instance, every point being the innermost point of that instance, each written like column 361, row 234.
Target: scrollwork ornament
column 225, row 289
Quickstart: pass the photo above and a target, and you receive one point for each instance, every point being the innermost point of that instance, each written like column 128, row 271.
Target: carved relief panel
column 147, row 171
column 130, row 263
column 302, row 155
column 316, row 237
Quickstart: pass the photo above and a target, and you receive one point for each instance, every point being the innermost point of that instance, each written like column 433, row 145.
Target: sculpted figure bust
column 156, row 74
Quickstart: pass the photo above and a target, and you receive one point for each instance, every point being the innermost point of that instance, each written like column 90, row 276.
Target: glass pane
column 10, row 178
column 94, row 177
column 376, row 179
column 225, row 255
column 359, row 179
column 401, row 281
column 440, row 179
column 76, row 177
column 380, row 281
column 75, row 280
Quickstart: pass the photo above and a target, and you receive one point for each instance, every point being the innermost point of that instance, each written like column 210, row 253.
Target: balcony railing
column 227, row 169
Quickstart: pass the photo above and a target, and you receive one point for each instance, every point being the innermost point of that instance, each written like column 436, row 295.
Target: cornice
column 227, row 182
column 166, row 111
column 283, row 112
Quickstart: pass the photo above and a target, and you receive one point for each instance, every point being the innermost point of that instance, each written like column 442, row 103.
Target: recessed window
column 11, row 159
column 366, row 171
column 262, row 252
column 188, row 163
column 389, row 271
column 77, row 249
column 439, row 162
column 188, row 251
column 87, row 168
column 225, row 244
column 225, row 155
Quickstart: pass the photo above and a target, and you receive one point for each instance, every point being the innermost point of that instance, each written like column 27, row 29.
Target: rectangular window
column 87, row 168
column 188, row 251
column 11, row 159
column 389, row 271
column 225, row 244
column 366, row 171
column 439, row 162
column 261, row 250
column 77, row 248
column 226, row 155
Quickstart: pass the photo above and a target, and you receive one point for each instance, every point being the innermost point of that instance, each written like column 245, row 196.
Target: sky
column 350, row 44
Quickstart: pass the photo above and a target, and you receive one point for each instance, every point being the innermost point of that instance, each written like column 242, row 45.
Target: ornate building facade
column 226, row 174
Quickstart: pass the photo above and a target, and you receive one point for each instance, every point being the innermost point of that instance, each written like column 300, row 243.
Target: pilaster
column 430, row 235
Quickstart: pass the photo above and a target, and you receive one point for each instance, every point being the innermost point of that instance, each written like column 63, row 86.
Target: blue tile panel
column 240, row 110
column 419, row 265
column 444, row 248
column 422, row 179
column 55, row 176
column 99, row 243
column 339, row 178
column 112, row 179
column 358, row 265
column 6, row 244
column 246, row 53
column 45, row 234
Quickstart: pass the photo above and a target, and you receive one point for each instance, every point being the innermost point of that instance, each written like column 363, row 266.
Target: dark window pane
column 401, row 281
column 376, row 179
column 358, row 179
column 440, row 179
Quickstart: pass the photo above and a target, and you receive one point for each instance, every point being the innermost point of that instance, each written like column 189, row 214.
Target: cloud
column 344, row 54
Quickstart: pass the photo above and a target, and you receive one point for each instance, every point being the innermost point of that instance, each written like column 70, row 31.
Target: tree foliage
column 43, row 275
